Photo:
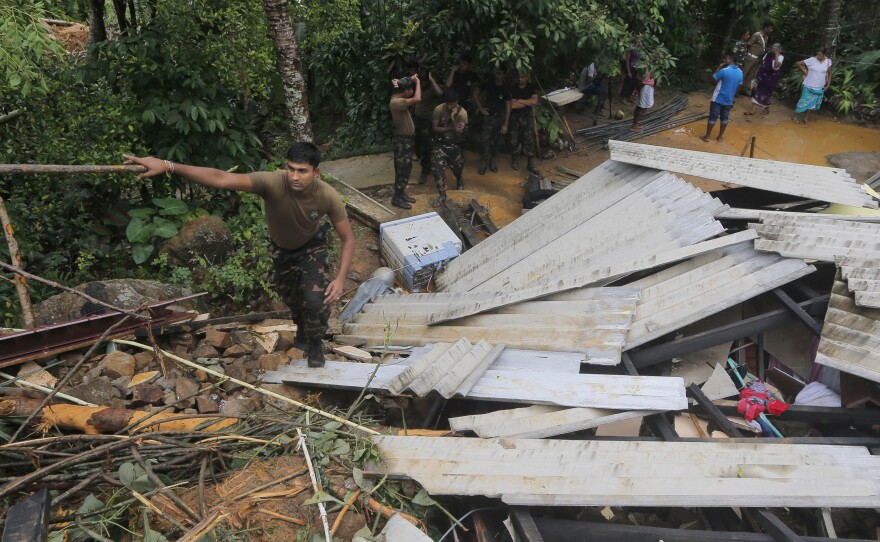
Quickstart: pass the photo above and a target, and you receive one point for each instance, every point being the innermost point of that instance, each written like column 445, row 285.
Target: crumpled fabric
column 817, row 394
column 368, row 291
column 754, row 400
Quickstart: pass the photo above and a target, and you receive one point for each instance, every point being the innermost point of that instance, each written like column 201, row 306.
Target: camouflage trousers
column 422, row 142
column 445, row 152
column 522, row 131
column 490, row 135
column 301, row 278
column 403, row 149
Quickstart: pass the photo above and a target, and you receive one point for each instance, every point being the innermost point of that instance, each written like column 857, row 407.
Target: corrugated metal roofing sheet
column 815, row 182
column 862, row 278
column 850, row 338
column 705, row 285
column 614, row 214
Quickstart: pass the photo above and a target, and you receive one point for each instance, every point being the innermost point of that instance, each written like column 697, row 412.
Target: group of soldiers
column 435, row 128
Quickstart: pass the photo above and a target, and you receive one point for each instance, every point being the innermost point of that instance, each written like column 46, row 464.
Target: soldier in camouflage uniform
column 296, row 200
column 495, row 94
column 449, row 121
column 740, row 48
column 405, row 92
column 523, row 98
column 431, row 93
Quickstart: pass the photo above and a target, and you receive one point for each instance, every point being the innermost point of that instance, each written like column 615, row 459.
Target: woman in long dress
column 767, row 79
column 817, row 72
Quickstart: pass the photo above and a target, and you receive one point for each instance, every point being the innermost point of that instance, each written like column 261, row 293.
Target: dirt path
column 777, row 138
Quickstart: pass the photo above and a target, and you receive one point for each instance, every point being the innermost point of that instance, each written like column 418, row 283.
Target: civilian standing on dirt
column 449, row 122
column 523, row 98
column 817, row 72
column 296, row 200
column 493, row 102
column 728, row 79
column 754, row 54
column 767, row 79
column 406, row 92
column 646, row 98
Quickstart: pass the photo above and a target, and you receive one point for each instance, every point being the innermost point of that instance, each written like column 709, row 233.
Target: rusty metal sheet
column 47, row 341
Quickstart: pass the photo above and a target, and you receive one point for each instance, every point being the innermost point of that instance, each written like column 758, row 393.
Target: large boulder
column 122, row 293
column 206, row 236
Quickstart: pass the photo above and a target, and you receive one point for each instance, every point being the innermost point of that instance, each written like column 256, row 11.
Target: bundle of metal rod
column 662, row 113
column 657, row 127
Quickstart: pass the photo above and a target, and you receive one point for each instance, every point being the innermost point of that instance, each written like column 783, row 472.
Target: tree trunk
column 730, row 38
column 832, row 27
column 119, row 7
column 132, row 14
column 97, row 30
column 290, row 68
column 24, row 296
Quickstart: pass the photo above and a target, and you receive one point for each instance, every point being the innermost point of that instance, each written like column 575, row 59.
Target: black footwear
column 493, row 167
column 398, row 201
column 439, row 202
column 459, row 184
column 407, row 198
column 423, row 178
column 316, row 353
column 531, row 166
column 482, row 170
column 514, row 162
column 299, row 341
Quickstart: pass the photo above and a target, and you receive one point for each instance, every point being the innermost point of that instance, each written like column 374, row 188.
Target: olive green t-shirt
column 400, row 117
column 294, row 217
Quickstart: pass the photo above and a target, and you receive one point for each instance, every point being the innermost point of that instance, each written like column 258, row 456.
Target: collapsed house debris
column 617, row 347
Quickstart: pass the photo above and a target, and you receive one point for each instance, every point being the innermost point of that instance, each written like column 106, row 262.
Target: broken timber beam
column 463, row 225
column 659, row 353
column 482, row 215
column 798, row 311
column 859, row 417
column 713, row 412
column 774, row 526
column 369, row 211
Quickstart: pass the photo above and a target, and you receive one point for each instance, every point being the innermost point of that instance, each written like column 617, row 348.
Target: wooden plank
column 365, row 208
column 482, row 215
column 462, row 224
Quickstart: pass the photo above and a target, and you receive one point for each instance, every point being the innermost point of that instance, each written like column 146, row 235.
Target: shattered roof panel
column 850, row 338
column 705, row 285
column 590, row 321
column 581, row 226
column 609, row 473
column 862, row 278
column 816, row 238
column 815, row 182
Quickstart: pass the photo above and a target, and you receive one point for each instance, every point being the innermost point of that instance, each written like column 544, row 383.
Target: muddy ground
column 777, row 138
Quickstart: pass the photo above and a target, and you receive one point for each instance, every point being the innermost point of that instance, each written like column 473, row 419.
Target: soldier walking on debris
column 496, row 117
column 296, row 200
column 449, row 122
column 524, row 97
column 406, row 92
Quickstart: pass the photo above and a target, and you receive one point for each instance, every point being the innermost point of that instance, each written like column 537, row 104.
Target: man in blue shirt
column 729, row 78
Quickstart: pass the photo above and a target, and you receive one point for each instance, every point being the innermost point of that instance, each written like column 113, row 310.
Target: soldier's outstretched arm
column 215, row 178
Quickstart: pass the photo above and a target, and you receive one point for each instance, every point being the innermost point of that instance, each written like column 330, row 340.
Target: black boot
column 531, row 166
column 407, row 198
column 439, row 201
column 493, row 167
column 514, row 162
column 459, row 183
column 316, row 353
column 482, row 170
column 299, row 341
column 398, row 201
column 423, row 178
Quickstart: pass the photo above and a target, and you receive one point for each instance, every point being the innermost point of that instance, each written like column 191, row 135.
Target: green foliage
column 25, row 48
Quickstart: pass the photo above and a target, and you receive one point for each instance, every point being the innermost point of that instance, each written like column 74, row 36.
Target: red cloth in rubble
column 755, row 400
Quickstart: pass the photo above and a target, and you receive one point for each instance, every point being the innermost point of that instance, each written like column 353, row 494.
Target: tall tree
column 296, row 103
column 97, row 30
column 831, row 28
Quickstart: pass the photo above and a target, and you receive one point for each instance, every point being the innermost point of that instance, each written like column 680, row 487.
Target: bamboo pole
column 24, row 297
column 64, row 168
